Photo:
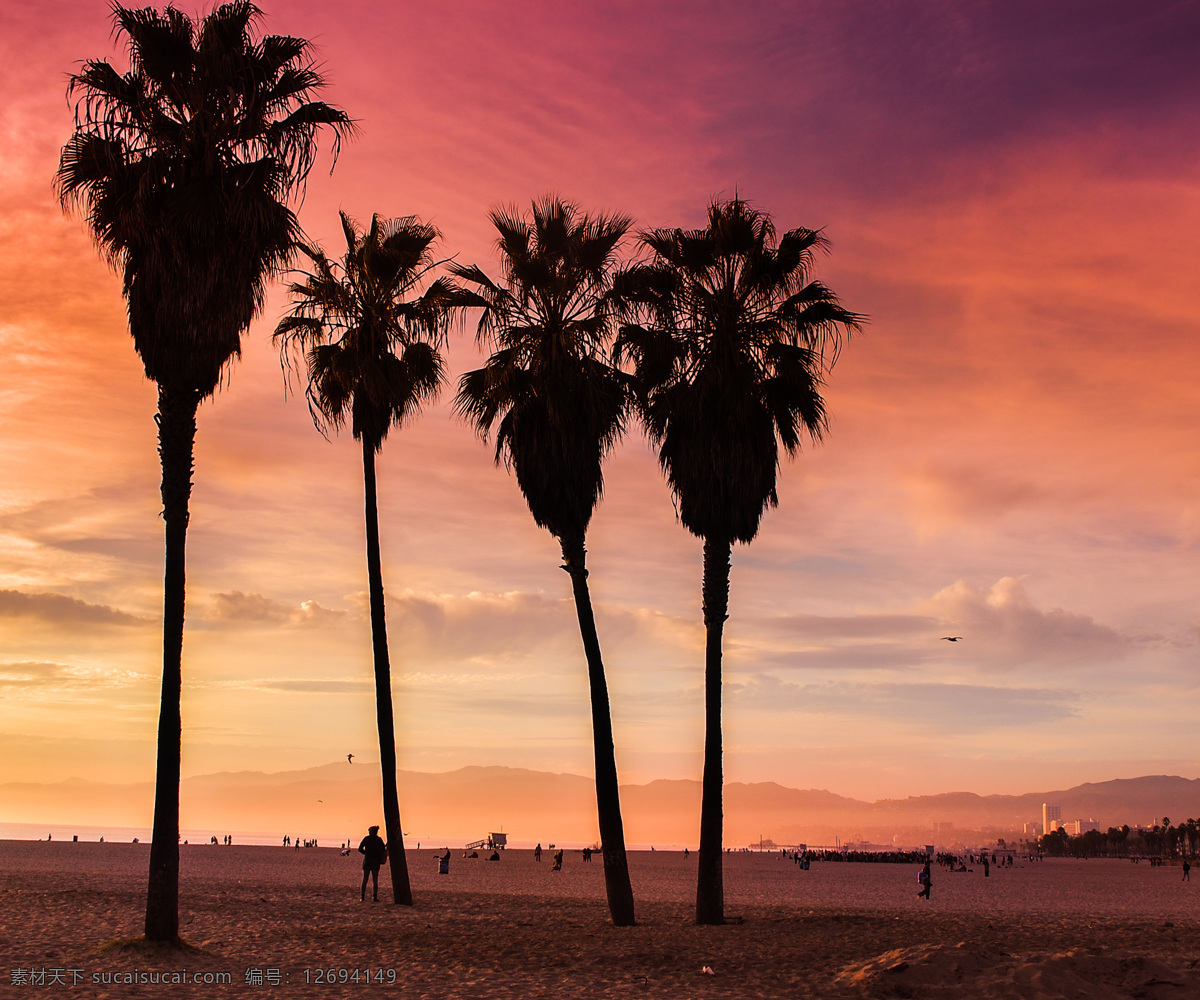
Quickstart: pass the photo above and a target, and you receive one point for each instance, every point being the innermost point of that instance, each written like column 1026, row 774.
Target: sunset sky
column 1011, row 192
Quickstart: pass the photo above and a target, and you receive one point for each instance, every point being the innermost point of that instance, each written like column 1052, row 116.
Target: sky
column 1011, row 194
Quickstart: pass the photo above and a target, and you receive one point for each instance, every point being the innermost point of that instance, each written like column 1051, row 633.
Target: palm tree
column 183, row 167
column 558, row 407
column 729, row 358
column 369, row 344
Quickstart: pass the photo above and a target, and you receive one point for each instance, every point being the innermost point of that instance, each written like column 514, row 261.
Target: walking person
column 926, row 881
column 1187, row 871
column 374, row 852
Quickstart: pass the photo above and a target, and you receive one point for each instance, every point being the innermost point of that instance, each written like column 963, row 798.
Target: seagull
column 952, row 638
column 350, row 757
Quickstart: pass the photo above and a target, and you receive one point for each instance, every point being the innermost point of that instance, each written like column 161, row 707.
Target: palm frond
column 729, row 339
column 183, row 167
column 373, row 342
column 548, row 391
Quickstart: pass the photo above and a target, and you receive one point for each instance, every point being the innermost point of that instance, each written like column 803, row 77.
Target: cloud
column 316, row 687
column 255, row 609
column 478, row 624
column 563, row 710
column 301, row 685
column 56, row 609
column 826, row 628
column 238, row 607
column 33, row 675
column 482, row 627
column 1001, row 627
column 312, row 613
column 946, row 707
column 831, row 642
column 964, row 494
column 840, row 658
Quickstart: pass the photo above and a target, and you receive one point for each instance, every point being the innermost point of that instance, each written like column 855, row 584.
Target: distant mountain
column 335, row 801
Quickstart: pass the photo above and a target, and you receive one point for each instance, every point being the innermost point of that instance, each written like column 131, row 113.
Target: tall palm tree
column 729, row 356
column 369, row 343
column 558, row 407
column 183, row 167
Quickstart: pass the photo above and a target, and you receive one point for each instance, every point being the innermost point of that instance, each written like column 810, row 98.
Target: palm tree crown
column 557, row 405
column 730, row 359
column 368, row 339
column 184, row 165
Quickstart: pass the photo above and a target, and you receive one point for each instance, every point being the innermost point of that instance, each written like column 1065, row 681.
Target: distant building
column 1051, row 814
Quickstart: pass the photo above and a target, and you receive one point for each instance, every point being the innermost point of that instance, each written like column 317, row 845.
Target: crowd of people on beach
column 880, row 857
column 297, row 843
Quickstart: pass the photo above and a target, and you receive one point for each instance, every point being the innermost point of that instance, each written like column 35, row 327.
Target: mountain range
column 333, row 801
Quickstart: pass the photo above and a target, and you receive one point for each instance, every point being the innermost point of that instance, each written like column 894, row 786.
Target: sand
column 292, row 920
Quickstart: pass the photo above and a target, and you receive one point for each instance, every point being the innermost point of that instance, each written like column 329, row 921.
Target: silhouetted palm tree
column 369, row 344
column 729, row 360
column 558, row 407
column 183, row 167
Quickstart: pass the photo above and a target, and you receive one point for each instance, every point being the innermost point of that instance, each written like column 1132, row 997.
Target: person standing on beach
column 558, row 860
column 537, row 852
column 374, row 852
column 926, row 881
column 1187, row 871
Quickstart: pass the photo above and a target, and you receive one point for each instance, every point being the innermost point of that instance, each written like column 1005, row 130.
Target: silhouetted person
column 1187, row 872
column 558, row 859
column 926, row 881
column 537, row 852
column 374, row 852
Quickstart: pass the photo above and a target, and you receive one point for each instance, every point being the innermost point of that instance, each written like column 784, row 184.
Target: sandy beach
column 267, row 921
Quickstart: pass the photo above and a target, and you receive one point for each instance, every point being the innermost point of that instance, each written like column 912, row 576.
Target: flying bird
column 952, row 638
column 350, row 757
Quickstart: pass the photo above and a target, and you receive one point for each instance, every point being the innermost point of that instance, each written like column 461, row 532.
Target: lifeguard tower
column 493, row 842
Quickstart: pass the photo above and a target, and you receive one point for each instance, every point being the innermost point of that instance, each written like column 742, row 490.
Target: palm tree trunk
column 401, row 890
column 608, row 802
column 176, row 419
column 710, row 887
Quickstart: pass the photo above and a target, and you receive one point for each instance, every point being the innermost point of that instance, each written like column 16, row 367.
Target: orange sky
column 1014, row 456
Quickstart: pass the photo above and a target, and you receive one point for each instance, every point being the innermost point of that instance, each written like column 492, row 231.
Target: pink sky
column 1014, row 457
